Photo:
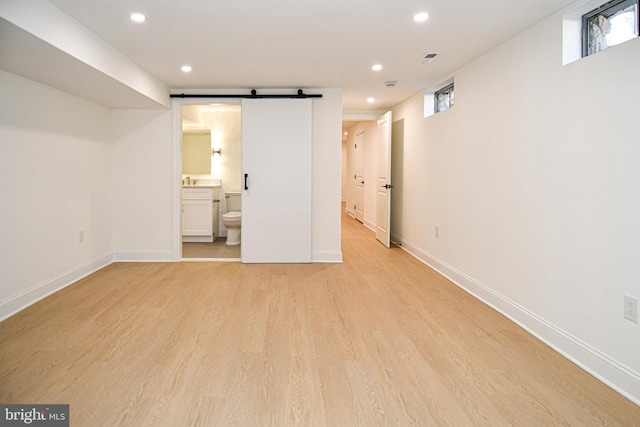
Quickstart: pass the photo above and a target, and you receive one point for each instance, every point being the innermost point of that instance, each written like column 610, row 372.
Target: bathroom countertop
column 204, row 183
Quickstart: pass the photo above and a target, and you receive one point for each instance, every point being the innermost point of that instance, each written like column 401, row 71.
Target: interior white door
column 383, row 194
column 276, row 167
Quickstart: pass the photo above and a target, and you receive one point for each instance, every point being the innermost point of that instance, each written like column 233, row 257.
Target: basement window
column 443, row 98
column 608, row 25
column 438, row 99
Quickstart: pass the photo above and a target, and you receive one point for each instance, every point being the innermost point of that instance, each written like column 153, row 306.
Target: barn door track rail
column 254, row 95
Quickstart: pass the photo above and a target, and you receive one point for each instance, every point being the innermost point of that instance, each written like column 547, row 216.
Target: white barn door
column 276, row 192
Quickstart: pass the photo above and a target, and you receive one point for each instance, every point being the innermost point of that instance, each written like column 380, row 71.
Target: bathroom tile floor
column 214, row 250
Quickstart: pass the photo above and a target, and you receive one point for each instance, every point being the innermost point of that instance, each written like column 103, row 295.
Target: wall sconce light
column 217, row 151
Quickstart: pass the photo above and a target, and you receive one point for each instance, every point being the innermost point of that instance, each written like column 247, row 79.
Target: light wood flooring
column 218, row 250
column 380, row 340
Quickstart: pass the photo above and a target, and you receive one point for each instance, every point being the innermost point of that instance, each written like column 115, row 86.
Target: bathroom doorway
column 211, row 174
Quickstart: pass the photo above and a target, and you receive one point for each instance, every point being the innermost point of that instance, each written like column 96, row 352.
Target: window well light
column 421, row 17
column 376, row 67
column 186, row 68
column 138, row 17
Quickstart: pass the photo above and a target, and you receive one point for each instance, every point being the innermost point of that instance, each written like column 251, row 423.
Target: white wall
column 533, row 180
column 229, row 125
column 143, row 185
column 326, row 176
column 56, row 172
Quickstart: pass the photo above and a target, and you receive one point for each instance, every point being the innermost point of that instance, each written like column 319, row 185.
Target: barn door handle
column 246, row 177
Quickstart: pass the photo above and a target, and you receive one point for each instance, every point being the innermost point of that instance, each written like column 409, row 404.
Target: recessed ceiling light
column 421, row 17
column 377, row 67
column 370, row 100
column 186, row 68
column 138, row 17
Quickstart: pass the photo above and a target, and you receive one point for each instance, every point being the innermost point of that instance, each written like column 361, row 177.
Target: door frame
column 368, row 117
column 176, row 107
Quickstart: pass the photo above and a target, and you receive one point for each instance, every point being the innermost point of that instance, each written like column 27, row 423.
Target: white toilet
column 232, row 218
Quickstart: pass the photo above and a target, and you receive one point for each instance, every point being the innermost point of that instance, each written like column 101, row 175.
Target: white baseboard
column 370, row 225
column 395, row 239
column 326, row 256
column 161, row 256
column 197, row 239
column 611, row 372
column 15, row 303
column 143, row 256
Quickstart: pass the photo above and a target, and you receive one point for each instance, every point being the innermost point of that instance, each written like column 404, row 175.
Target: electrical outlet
column 437, row 231
column 631, row 308
column 80, row 236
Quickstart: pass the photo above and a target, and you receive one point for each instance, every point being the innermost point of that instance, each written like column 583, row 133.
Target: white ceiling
column 307, row 43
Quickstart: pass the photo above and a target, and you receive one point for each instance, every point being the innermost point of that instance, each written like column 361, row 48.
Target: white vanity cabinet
column 200, row 214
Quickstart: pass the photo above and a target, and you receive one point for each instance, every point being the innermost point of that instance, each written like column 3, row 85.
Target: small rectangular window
column 610, row 24
column 439, row 98
column 444, row 98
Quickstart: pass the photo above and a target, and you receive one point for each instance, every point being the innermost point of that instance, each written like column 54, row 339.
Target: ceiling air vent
column 428, row 57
